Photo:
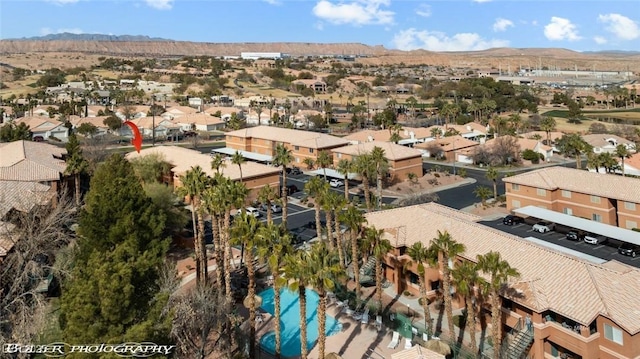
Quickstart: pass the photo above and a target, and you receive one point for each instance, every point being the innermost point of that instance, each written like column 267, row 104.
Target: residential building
column 607, row 142
column 43, row 128
column 613, row 200
column 177, row 111
column 262, row 140
column 402, row 160
column 631, row 165
column 263, row 55
column 225, row 112
column 201, row 121
column 317, row 86
column 546, row 152
column 254, row 175
column 451, row 148
column 578, row 308
column 98, row 122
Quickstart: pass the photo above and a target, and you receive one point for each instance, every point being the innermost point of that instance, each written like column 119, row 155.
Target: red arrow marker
column 137, row 138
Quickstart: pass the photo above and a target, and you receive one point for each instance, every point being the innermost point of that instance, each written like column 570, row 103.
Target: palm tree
column 422, row 255
column 623, row 152
column 76, row 164
column 516, row 122
column 345, row 167
column 194, row 183
column 338, row 205
column 238, row 159
column 324, row 160
column 234, row 195
column 297, row 273
column 244, row 233
column 354, row 219
column 467, row 280
column 548, row 124
column 365, row 167
column 309, row 163
column 214, row 202
column 492, row 175
column 448, row 249
column 267, row 196
column 499, row 272
column 593, row 161
column 483, row 193
column 317, row 188
column 275, row 245
column 324, row 270
column 381, row 247
column 330, row 200
column 381, row 164
column 283, row 157
column 217, row 162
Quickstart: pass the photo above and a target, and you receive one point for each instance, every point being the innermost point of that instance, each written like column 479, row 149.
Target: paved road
column 607, row 251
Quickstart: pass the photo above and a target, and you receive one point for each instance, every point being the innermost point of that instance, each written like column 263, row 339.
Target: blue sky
column 444, row 25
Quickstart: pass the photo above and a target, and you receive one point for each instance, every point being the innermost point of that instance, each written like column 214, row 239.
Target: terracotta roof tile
column 294, row 137
column 31, row 161
column 392, row 151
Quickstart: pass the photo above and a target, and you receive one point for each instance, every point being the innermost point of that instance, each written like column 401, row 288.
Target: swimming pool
column 290, row 321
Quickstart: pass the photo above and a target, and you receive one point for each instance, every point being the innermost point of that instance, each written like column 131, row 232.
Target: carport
column 246, row 154
column 621, row 234
column 332, row 173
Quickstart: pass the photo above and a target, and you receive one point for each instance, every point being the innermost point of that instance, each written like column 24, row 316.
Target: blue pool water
column 290, row 321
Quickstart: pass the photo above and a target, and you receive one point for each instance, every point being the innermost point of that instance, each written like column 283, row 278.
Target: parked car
column 576, row 235
column 336, row 183
column 595, row 239
column 291, row 189
column 294, row 171
column 543, row 227
column 312, row 224
column 511, row 220
column 276, row 208
column 251, row 211
column 629, row 249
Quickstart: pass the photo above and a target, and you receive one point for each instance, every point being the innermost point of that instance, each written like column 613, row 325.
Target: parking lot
column 607, row 250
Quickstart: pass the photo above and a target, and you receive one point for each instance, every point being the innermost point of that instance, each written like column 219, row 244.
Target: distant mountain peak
column 67, row 36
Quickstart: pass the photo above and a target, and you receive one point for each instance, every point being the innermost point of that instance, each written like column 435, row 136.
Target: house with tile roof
column 448, row 148
column 607, row 142
column 262, row 140
column 254, row 175
column 631, row 165
column 578, row 308
column 613, row 200
column 45, row 127
column 402, row 160
column 202, row 121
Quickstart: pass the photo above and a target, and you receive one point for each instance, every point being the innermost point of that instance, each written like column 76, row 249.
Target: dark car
column 629, row 249
column 291, row 189
column 510, row 220
column 576, row 235
column 294, row 171
column 312, row 224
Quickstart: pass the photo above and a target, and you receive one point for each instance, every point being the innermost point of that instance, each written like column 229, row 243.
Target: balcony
column 579, row 340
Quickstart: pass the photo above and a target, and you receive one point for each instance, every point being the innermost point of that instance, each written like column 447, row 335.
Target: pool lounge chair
column 365, row 316
column 395, row 340
column 407, row 343
column 379, row 322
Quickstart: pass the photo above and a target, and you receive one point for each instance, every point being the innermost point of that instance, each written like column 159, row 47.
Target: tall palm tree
column 214, row 202
column 492, row 175
column 297, row 273
column 244, row 233
column 76, row 164
column 323, row 161
column 194, row 183
column 381, row 247
column 499, row 272
column 317, row 188
column 345, row 167
column 217, row 162
column 354, row 219
column 337, row 209
column 448, row 249
column 275, row 246
column 267, row 196
column 238, row 159
column 365, row 167
column 234, row 195
column 381, row 164
column 623, row 152
column 330, row 200
column 309, row 162
column 324, row 271
column 283, row 157
column 548, row 124
column 423, row 257
column 467, row 281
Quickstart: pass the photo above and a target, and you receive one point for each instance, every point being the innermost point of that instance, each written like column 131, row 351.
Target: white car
column 336, row 183
column 543, row 227
column 594, row 239
column 251, row 211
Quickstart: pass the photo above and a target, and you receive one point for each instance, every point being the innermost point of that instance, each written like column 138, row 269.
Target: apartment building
column 402, row 160
column 609, row 199
column 579, row 309
column 263, row 140
column 254, row 175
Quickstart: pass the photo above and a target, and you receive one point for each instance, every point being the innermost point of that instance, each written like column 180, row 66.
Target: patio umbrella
column 332, row 356
column 256, row 297
column 438, row 346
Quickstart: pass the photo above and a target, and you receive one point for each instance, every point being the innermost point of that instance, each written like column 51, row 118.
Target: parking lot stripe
column 598, row 247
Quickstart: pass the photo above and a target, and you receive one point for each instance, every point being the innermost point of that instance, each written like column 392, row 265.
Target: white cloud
column 62, row 2
column 600, row 40
column 621, row 26
column 160, row 4
column 502, row 24
column 412, row 39
column 561, row 29
column 481, row 1
column 47, row 31
column 423, row 10
column 357, row 12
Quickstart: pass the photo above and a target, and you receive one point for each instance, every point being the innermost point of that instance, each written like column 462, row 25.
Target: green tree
column 114, row 294
column 113, row 122
column 297, row 272
column 87, row 129
column 548, row 124
column 324, row 160
column 317, row 188
column 364, row 165
column 423, row 257
column 151, row 168
column 10, row 132
column 492, row 175
column 499, row 272
column 381, row 247
column 354, row 219
column 448, row 249
column 622, row 152
column 573, row 145
column 345, row 167
column 238, row 159
column 468, row 282
column 77, row 165
column 267, row 196
column 217, row 162
column 483, row 193
column 283, row 157
column 381, row 164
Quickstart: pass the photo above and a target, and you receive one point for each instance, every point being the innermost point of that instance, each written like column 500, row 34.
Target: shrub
column 531, row 155
column 437, row 175
column 462, row 172
column 407, row 293
column 459, row 321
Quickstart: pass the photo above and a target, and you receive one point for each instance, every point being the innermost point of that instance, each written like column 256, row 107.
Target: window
column 596, row 217
column 339, row 155
column 631, row 224
column 630, row 206
column 515, row 203
column 595, row 199
column 296, row 148
column 311, row 150
column 568, row 211
column 515, row 187
column 613, row 334
column 541, row 192
column 566, row 194
column 297, row 159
